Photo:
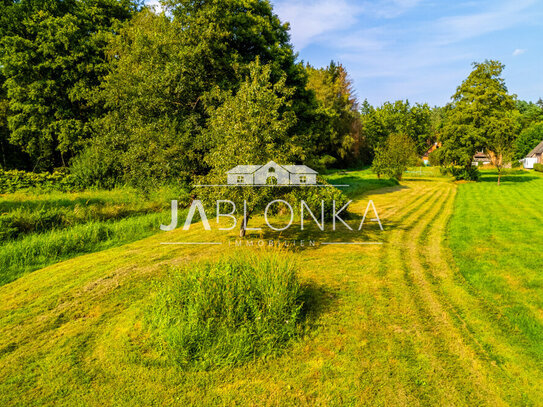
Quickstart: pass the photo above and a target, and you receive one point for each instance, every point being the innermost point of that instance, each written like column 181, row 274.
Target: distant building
column 426, row 156
column 272, row 174
column 480, row 158
column 534, row 157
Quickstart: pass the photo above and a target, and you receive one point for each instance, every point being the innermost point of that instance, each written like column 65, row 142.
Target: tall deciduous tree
column 163, row 67
column 502, row 133
column 253, row 126
column 480, row 116
column 52, row 55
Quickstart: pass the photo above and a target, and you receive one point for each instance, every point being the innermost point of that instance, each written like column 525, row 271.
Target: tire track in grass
column 423, row 196
column 512, row 332
column 410, row 344
column 462, row 301
column 456, row 353
column 446, row 271
column 438, row 346
column 443, row 360
column 512, row 359
column 406, row 211
column 378, row 312
column 391, row 214
column 432, row 260
column 481, row 323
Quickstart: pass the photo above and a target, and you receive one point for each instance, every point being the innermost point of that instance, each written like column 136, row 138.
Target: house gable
column 536, row 151
column 274, row 171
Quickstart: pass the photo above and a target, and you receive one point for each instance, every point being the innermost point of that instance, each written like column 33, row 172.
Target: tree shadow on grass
column 295, row 240
column 317, row 299
column 389, row 190
column 358, row 186
column 516, row 177
column 422, row 179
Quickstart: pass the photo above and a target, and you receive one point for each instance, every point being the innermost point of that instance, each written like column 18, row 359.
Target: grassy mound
column 230, row 311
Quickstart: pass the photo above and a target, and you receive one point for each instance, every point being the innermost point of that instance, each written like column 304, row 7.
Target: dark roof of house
column 299, row 169
column 537, row 150
column 244, row 169
column 480, row 155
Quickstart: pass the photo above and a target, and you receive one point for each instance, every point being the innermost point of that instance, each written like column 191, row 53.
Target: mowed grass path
column 396, row 324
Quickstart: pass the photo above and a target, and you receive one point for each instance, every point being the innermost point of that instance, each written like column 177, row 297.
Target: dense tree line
column 53, row 56
column 128, row 94
column 121, row 93
column 398, row 117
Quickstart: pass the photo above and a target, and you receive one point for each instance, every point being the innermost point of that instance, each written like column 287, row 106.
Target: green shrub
column 92, row 169
column 445, row 171
column 326, row 161
column 435, row 158
column 228, row 312
column 538, row 167
column 14, row 180
column 462, row 173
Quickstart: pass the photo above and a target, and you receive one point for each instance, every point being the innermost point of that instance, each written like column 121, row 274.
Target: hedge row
column 538, row 167
column 11, row 181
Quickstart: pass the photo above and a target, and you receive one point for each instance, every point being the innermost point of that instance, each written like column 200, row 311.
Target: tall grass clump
column 39, row 250
column 229, row 312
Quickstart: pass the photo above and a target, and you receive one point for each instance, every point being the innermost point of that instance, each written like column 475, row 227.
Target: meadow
column 446, row 311
column 39, row 227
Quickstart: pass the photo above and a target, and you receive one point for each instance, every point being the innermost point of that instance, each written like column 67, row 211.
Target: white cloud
column 390, row 8
column 318, row 20
column 503, row 15
column 155, row 4
column 310, row 20
column 518, row 52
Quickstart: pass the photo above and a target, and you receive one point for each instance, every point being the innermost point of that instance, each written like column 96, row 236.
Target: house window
column 303, row 179
column 241, row 179
column 271, row 169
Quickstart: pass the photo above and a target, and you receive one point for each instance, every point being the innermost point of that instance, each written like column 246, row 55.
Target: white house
column 534, row 157
column 272, row 174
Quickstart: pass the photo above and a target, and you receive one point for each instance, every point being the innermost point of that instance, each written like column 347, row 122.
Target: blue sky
column 419, row 50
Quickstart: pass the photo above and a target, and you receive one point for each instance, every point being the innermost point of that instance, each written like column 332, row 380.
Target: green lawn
column 496, row 235
column 446, row 312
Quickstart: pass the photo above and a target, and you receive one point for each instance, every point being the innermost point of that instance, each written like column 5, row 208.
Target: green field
column 447, row 311
column 39, row 228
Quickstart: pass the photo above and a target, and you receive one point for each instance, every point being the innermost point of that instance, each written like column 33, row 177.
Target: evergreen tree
column 341, row 136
